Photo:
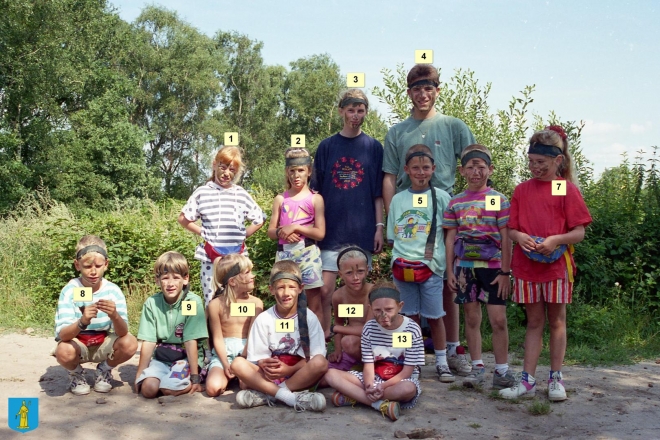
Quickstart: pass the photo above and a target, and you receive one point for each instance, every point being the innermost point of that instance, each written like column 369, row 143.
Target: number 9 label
column 189, row 308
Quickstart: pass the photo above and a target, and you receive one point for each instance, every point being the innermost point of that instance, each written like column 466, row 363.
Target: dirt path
column 604, row 403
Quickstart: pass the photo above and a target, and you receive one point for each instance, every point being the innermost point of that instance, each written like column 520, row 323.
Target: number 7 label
column 558, row 187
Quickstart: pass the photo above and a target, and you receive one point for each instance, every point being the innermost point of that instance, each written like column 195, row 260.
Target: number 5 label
column 189, row 308
column 244, row 309
column 492, row 203
column 420, row 201
column 351, row 311
column 558, row 187
column 402, row 340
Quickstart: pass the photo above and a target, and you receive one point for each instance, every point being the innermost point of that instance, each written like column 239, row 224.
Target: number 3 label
column 558, row 187
column 420, row 201
column 355, row 79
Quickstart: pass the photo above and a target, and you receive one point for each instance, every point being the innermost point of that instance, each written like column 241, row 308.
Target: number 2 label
column 297, row 141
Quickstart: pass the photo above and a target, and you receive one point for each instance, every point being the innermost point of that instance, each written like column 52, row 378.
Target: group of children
column 280, row 354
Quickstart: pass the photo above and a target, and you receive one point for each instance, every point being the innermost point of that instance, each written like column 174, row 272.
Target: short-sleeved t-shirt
column 408, row 227
column 446, row 136
column 223, row 212
column 348, row 175
column 468, row 213
column 165, row 323
column 265, row 340
column 377, row 344
column 535, row 211
column 69, row 312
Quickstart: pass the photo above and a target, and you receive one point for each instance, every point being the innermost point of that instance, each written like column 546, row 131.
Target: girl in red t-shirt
column 548, row 216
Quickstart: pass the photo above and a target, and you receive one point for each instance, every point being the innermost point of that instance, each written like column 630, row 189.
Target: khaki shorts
column 98, row 353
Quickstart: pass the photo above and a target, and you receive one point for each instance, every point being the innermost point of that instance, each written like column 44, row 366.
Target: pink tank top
column 296, row 212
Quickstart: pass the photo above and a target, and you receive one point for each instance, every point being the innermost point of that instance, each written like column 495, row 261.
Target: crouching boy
column 173, row 332
column 392, row 346
column 94, row 330
column 286, row 348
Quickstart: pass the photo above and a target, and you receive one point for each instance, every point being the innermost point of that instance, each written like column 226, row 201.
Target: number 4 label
column 351, row 311
column 402, row 340
column 558, row 187
column 424, row 56
column 189, row 308
column 492, row 203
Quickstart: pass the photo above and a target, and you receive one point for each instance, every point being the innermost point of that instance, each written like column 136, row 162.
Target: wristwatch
column 82, row 326
column 194, row 378
column 500, row 272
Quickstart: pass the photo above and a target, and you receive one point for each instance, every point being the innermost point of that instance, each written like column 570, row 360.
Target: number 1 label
column 231, row 138
column 558, row 187
column 351, row 311
column 189, row 308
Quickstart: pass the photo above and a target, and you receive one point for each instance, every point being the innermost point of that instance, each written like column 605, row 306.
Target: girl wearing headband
column 229, row 326
column 223, row 208
column 547, row 213
column 298, row 222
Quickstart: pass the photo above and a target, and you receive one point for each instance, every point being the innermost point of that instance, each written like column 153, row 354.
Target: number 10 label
column 402, row 340
column 242, row 309
column 351, row 311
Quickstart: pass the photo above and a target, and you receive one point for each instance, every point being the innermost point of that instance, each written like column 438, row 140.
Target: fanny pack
column 410, row 271
column 170, row 353
column 482, row 249
column 540, row 258
column 91, row 338
column 219, row 251
column 386, row 369
column 290, row 359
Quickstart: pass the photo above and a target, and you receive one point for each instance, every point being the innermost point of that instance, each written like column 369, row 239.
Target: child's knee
column 318, row 364
column 150, row 388
column 66, row 352
column 126, row 344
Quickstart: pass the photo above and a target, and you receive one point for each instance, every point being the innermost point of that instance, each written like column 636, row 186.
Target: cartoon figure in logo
column 178, row 331
column 23, row 413
column 287, row 344
column 472, row 217
column 410, row 229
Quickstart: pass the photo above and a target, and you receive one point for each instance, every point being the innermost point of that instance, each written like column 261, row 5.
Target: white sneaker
column 459, row 363
column 476, row 378
column 102, row 382
column 556, row 390
column 444, row 374
column 252, row 398
column 78, row 385
column 306, row 400
column 521, row 388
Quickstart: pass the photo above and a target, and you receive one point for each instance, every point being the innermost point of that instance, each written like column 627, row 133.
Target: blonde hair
column 550, row 137
column 171, row 262
column 354, row 93
column 476, row 147
column 229, row 155
column 222, row 267
column 90, row 240
column 287, row 266
column 294, row 153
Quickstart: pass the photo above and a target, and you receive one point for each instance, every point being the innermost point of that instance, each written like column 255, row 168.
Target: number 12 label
column 351, row 311
column 242, row 309
column 402, row 340
column 285, row 326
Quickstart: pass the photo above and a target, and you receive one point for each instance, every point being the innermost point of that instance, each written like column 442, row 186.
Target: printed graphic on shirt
column 178, row 331
column 287, row 345
column 300, row 215
column 347, row 173
column 410, row 223
column 472, row 217
column 389, row 354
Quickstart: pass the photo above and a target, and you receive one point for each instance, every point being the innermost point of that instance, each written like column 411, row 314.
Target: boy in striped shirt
column 392, row 347
column 94, row 330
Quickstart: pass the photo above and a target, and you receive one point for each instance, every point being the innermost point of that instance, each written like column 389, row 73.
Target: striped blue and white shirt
column 377, row 344
column 223, row 212
column 69, row 312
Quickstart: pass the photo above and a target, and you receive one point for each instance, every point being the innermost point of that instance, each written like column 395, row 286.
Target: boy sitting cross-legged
column 172, row 338
column 389, row 358
column 94, row 331
column 286, row 348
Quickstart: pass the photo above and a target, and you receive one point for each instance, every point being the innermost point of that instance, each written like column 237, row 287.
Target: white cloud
column 595, row 128
column 641, row 128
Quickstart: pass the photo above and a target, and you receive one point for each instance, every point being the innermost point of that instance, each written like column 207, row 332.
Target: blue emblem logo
column 23, row 413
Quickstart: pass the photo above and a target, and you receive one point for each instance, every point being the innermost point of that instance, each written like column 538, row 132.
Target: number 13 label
column 420, row 201
column 402, row 340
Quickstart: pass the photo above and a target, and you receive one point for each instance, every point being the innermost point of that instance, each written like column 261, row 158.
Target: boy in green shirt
column 172, row 331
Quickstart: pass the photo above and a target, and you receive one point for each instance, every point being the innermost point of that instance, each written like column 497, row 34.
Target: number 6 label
column 558, row 187
column 189, row 308
column 492, row 203
column 402, row 340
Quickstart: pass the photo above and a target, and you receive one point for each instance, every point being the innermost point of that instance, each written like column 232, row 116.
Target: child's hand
column 335, row 356
column 107, row 306
column 547, row 246
column 88, row 313
column 271, row 368
column 229, row 373
column 195, row 388
column 503, row 286
column 374, row 392
column 527, row 243
column 289, row 234
column 452, row 282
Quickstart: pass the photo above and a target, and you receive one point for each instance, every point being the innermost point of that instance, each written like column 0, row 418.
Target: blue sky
column 589, row 60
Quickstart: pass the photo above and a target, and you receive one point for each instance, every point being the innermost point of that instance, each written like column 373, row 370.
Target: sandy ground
column 604, row 403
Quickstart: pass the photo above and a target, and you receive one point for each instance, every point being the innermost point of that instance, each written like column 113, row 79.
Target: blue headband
column 544, row 150
column 350, row 100
column 419, row 154
column 93, row 248
column 475, row 154
column 423, row 82
column 384, row 292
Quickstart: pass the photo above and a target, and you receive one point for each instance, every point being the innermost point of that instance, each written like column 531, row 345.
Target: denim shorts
column 423, row 299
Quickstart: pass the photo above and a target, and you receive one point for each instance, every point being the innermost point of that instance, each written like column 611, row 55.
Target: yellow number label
column 424, row 56
column 558, row 187
column 492, row 203
column 284, row 326
column 231, row 138
column 402, row 340
column 244, row 309
column 189, row 308
column 351, row 310
column 82, row 294
column 355, row 79
column 298, row 140
column 420, row 201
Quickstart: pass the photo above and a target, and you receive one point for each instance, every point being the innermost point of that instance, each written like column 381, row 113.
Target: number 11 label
column 285, row 326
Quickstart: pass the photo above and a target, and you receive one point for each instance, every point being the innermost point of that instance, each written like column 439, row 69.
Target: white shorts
column 234, row 348
column 329, row 260
column 175, row 377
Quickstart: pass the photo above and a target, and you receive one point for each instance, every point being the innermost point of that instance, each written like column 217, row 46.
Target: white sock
column 283, row 385
column 376, row 405
column 476, row 363
column 286, row 396
column 78, row 369
column 451, row 348
column 440, row 357
column 501, row 369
